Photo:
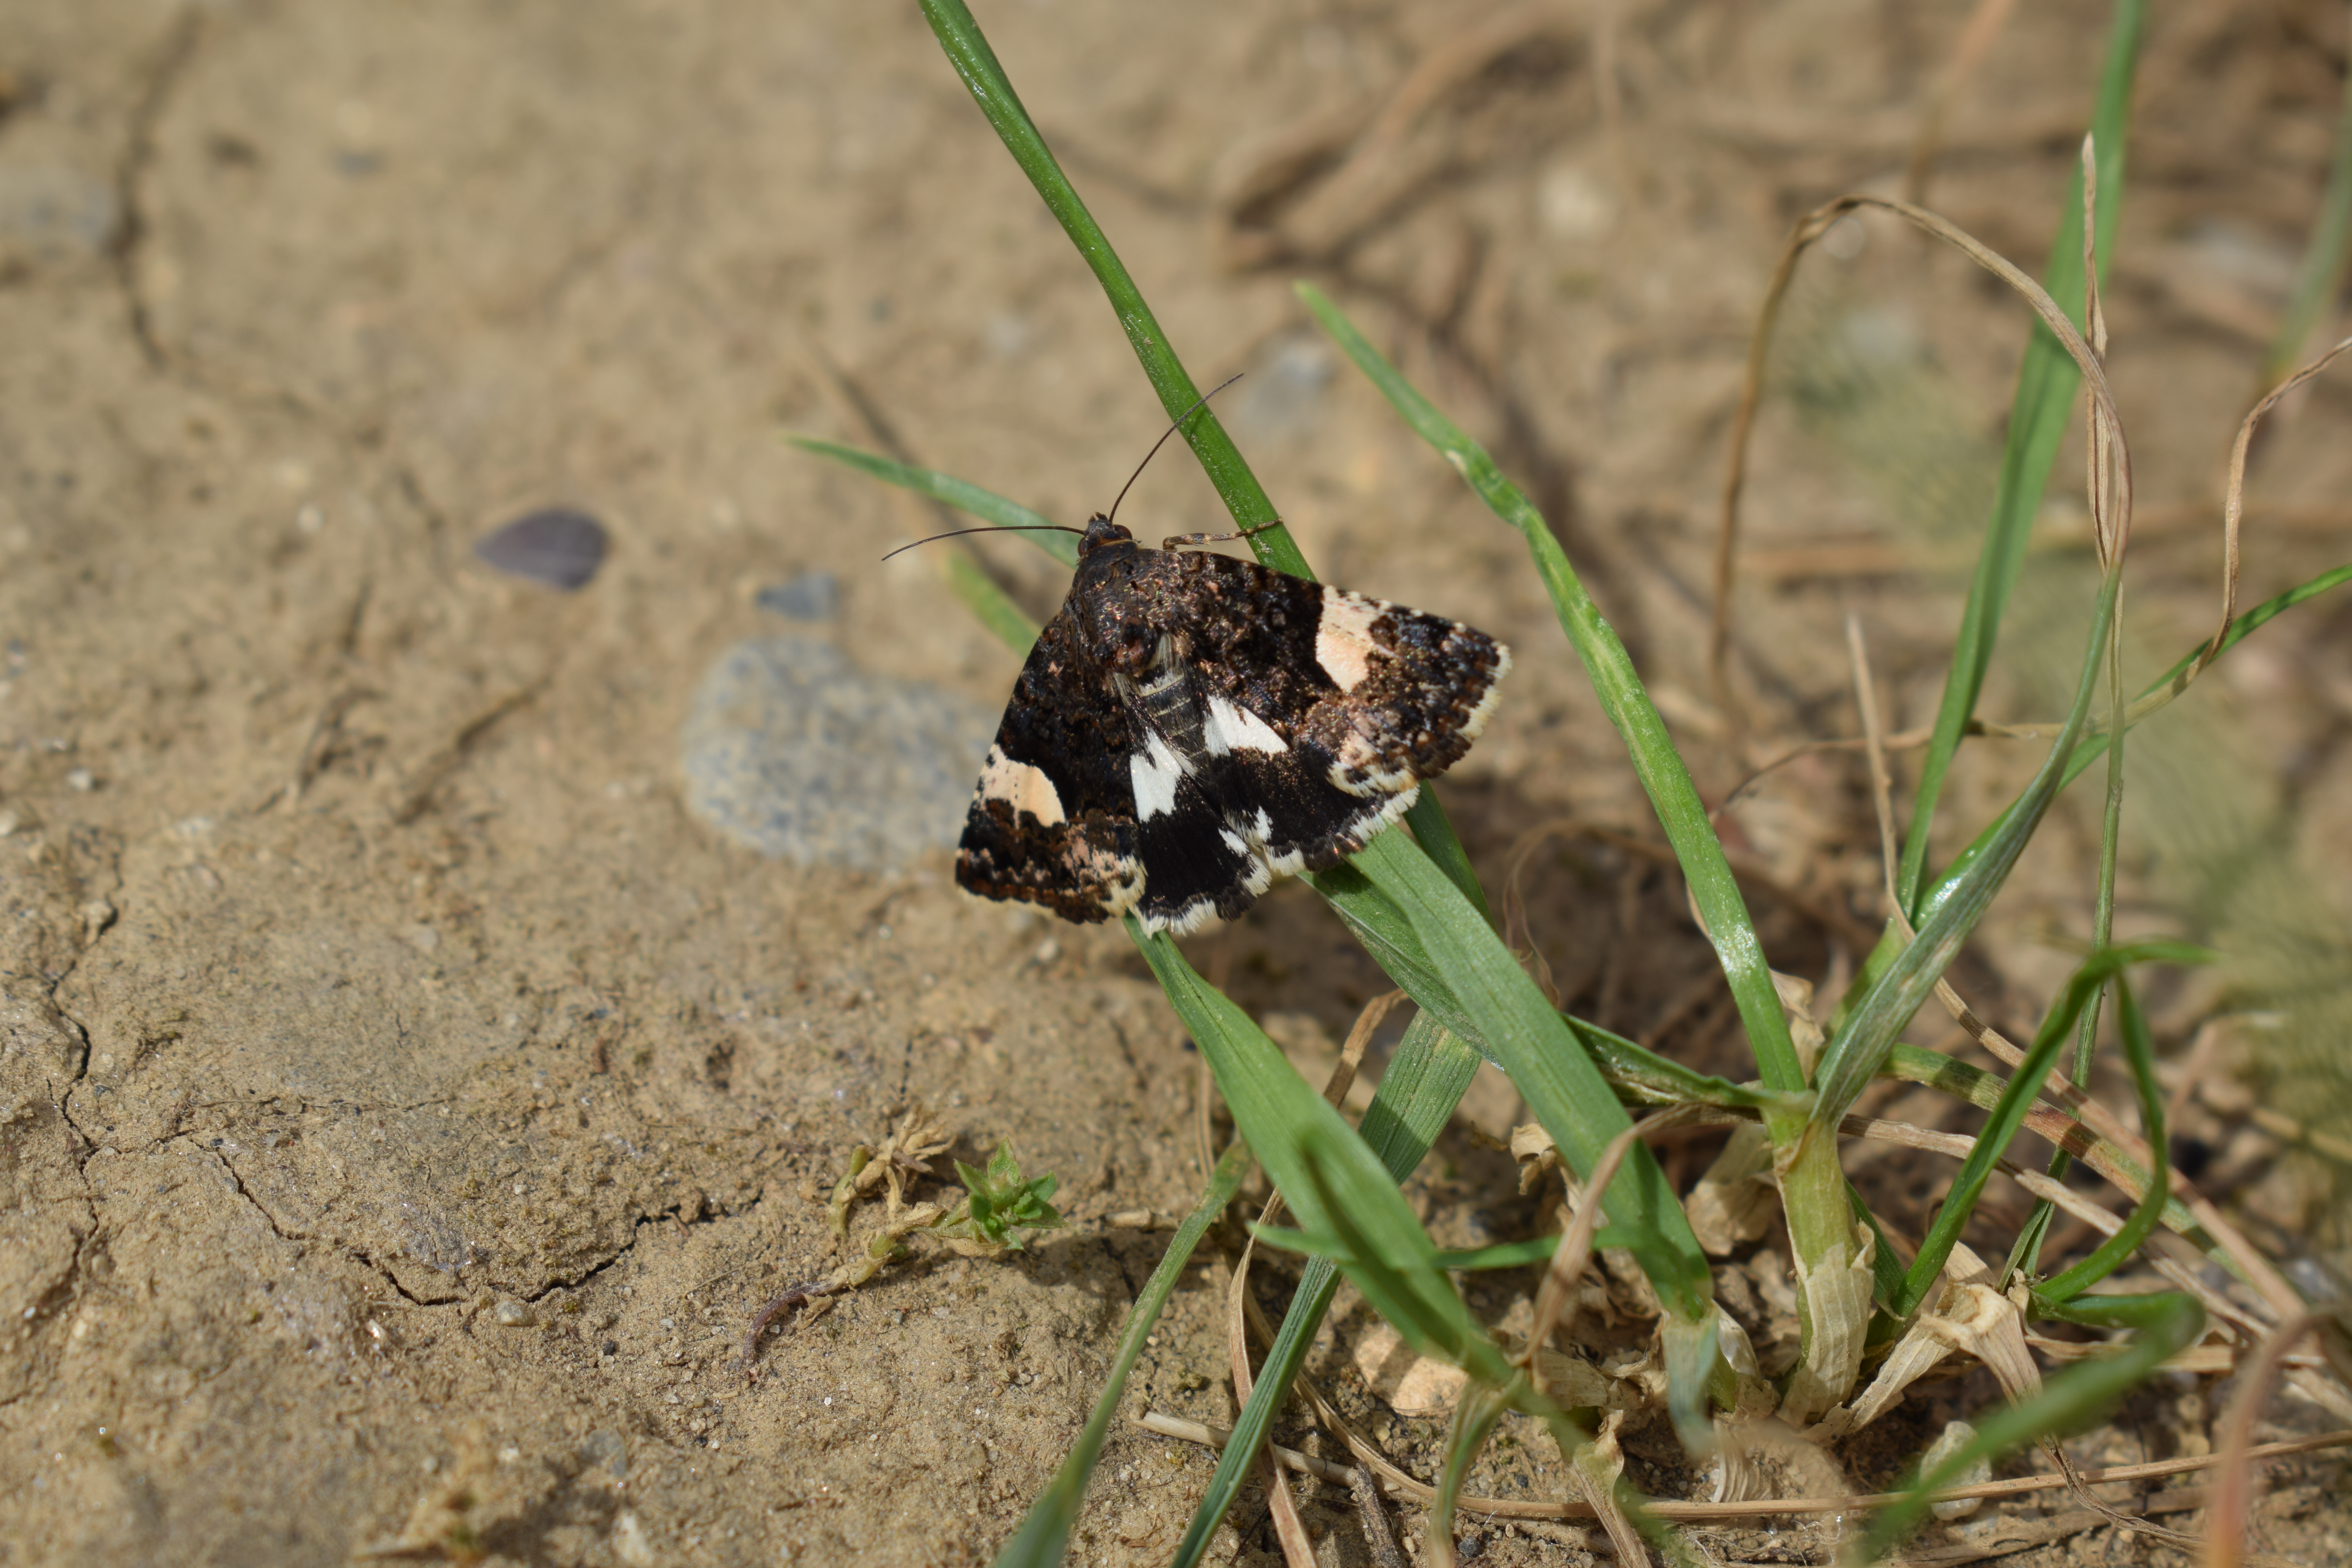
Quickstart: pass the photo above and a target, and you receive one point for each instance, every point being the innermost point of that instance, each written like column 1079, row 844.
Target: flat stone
column 56, row 212
column 792, row 750
column 811, row 597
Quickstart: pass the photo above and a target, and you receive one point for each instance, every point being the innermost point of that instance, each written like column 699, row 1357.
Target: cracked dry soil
column 402, row 1095
column 397, row 1081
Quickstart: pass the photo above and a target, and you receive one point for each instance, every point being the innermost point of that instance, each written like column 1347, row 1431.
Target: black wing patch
column 1323, row 709
column 1192, row 727
column 1054, row 821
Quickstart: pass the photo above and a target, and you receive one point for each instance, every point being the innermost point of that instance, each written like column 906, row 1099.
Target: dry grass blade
column 1881, row 796
column 1596, row 1466
column 2111, row 508
column 1298, row 1550
column 2101, row 450
column 1576, row 1245
column 2225, row 1527
column 1960, row 1146
column 2234, row 509
column 2258, row 1270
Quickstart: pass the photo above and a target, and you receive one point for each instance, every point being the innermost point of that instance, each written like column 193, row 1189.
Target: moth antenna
column 1179, row 424
column 1000, row 528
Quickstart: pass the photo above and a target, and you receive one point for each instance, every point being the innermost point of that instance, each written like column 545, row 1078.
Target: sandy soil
column 405, row 1095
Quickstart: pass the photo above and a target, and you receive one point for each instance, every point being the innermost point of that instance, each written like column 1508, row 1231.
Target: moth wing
column 1323, row 709
column 1051, row 822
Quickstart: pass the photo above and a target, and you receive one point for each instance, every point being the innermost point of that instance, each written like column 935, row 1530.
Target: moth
column 1191, row 726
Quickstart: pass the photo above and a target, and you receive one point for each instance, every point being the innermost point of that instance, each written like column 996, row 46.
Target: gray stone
column 795, row 752
column 811, row 597
column 55, row 211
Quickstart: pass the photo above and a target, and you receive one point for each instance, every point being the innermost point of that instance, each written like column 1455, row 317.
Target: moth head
column 1100, row 531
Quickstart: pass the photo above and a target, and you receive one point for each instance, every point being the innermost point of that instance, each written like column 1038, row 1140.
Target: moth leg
column 1175, row 540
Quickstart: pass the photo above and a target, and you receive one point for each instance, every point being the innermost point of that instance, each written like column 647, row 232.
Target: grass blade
column 967, row 50
column 961, row 494
column 1672, row 793
column 2009, row 1115
column 1547, row 1065
column 2168, row 1324
column 1044, row 1530
column 2039, row 415
column 1425, row 1079
column 2140, row 1050
column 2094, row 747
column 1859, row 1048
column 1915, row 1064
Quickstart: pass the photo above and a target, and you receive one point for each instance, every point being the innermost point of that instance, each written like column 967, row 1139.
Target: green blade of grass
column 1425, row 1079
column 2094, row 747
column 1672, row 793
column 1434, row 831
column 1475, row 1415
column 2140, row 1050
column 1546, row 1064
column 961, row 494
column 1384, row 1252
column 1426, row 1076
column 989, row 605
column 1044, row 1530
column 1638, row 1074
column 976, row 63
column 2039, row 416
column 1891, row 945
column 1643, row 1077
column 2167, row 1325
column 1564, row 1088
column 2009, row 1115
column 979, row 593
column 1857, row 1050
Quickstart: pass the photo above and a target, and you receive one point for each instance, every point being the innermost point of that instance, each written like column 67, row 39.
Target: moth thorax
column 1165, row 672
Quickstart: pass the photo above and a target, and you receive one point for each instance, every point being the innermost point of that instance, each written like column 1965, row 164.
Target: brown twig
column 1763, row 1508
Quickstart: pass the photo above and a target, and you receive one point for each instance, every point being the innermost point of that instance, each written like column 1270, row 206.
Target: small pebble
column 608, row 1451
column 555, row 546
column 512, row 1314
column 55, row 213
column 82, row 779
column 811, row 597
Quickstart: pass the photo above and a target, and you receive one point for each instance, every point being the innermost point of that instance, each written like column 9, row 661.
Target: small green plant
column 998, row 1203
column 1413, row 902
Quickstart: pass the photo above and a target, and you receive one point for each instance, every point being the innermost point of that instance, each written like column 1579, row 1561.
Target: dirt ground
column 405, row 1095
